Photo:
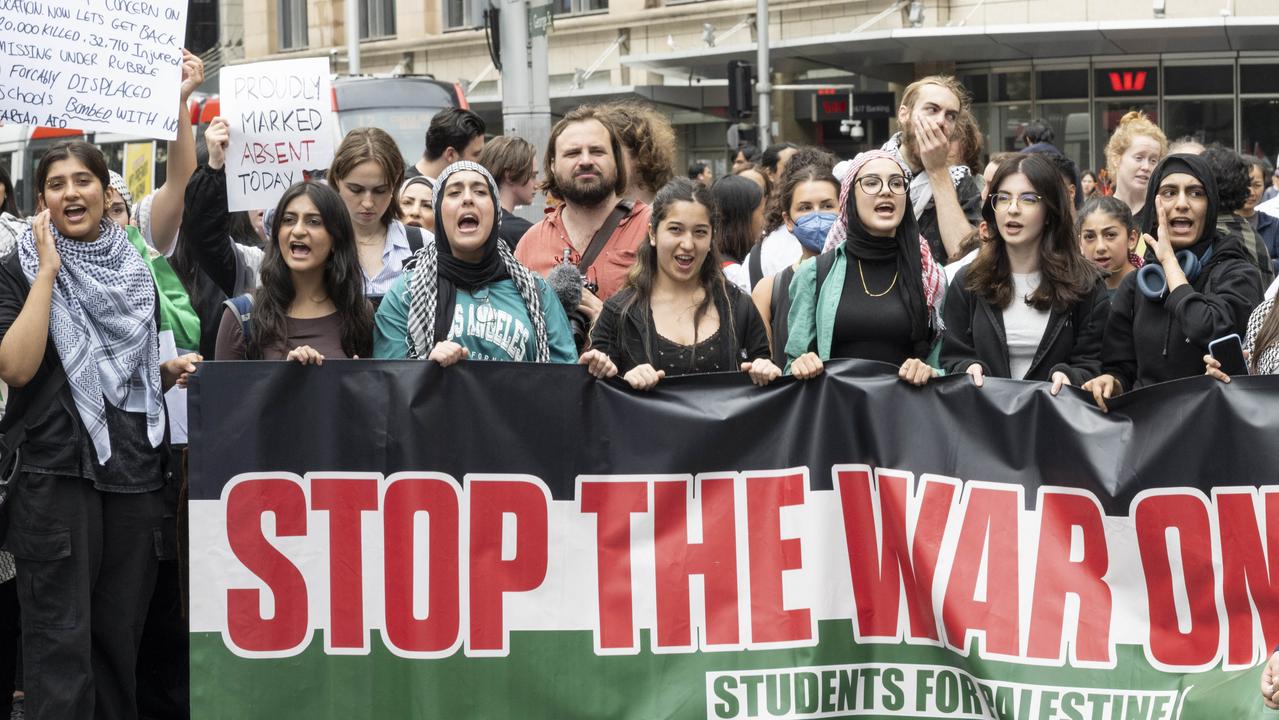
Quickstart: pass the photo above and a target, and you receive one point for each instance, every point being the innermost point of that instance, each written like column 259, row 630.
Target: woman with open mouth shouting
column 1198, row 284
column 1030, row 306
column 79, row 347
column 464, row 295
column 310, row 303
column 678, row 314
column 874, row 293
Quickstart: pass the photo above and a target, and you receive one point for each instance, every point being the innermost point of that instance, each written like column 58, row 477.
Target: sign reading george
column 282, row 127
column 450, row 548
column 96, row 65
column 541, row 19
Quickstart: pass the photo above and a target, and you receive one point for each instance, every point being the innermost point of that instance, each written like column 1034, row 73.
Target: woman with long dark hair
column 1198, row 285
column 873, row 294
column 1030, row 306
column 310, row 304
column 79, row 310
column 464, row 295
column 677, row 314
column 1108, row 237
column 739, row 224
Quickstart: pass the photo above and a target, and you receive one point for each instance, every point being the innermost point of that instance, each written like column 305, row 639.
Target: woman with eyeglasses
column 873, row 293
column 1030, row 307
column 1198, row 285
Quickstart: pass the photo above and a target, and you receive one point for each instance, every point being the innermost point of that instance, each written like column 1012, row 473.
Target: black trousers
column 86, row 569
column 8, row 645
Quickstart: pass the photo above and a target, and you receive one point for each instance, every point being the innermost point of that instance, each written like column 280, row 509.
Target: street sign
column 540, row 20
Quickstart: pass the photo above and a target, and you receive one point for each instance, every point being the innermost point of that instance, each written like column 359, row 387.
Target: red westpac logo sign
column 1128, row 82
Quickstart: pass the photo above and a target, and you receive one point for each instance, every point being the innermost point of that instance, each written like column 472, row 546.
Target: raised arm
column 166, row 208
column 22, row 348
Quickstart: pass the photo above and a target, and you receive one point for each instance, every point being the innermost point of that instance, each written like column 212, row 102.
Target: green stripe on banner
column 555, row 675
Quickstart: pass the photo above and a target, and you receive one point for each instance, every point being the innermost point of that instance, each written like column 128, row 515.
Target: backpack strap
column 415, row 237
column 825, row 262
column 242, row 307
column 755, row 264
column 602, row 235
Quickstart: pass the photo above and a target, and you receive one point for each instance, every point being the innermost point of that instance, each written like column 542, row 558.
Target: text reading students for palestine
column 1030, row 306
column 310, row 303
column 678, row 314
column 1198, row 285
column 879, row 283
column 464, row 295
column 78, row 306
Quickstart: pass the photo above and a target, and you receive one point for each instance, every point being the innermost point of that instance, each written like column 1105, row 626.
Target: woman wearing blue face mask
column 874, row 295
column 809, row 196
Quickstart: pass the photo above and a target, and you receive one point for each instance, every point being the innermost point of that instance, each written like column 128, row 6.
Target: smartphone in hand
column 1228, row 351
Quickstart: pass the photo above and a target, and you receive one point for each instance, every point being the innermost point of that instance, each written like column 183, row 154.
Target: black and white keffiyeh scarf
column 921, row 190
column 102, row 323
column 434, row 276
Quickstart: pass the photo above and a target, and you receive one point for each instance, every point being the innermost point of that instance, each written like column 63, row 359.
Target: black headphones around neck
column 1152, row 282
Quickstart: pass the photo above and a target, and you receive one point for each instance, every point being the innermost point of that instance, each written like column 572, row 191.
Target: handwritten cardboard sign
column 96, row 65
column 282, row 127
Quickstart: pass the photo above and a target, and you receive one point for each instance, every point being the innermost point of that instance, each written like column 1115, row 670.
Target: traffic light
column 741, row 96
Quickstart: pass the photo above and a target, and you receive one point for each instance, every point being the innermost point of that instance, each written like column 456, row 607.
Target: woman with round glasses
column 872, row 293
column 1030, row 306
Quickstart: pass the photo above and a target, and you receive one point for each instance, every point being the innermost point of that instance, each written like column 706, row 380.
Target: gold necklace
column 867, row 290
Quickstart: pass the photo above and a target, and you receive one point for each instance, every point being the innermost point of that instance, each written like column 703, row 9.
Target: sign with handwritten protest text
column 139, row 169
column 94, row 65
column 282, row 127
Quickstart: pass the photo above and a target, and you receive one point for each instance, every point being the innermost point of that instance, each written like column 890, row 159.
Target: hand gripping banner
column 496, row 540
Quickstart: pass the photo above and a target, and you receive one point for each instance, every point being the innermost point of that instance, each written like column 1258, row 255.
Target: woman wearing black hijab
column 873, row 294
column 1197, row 285
column 466, row 296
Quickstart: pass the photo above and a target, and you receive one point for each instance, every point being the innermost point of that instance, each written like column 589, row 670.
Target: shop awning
column 889, row 54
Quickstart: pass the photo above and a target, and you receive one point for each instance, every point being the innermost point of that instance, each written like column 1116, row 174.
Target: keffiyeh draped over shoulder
column 102, row 323
column 436, row 272
column 934, row 280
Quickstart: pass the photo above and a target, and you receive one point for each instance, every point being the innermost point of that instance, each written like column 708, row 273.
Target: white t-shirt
column 1023, row 325
column 953, row 269
column 778, row 251
column 739, row 276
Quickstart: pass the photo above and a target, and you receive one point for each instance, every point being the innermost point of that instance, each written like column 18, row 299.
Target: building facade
column 1205, row 68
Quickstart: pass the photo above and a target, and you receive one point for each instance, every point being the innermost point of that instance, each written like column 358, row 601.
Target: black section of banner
column 556, row 422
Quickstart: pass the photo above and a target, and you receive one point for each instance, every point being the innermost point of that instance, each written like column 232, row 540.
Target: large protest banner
column 94, row 65
column 382, row 539
column 282, row 127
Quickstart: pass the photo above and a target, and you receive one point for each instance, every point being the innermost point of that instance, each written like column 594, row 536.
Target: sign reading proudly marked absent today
column 94, row 65
column 507, row 540
column 282, row 127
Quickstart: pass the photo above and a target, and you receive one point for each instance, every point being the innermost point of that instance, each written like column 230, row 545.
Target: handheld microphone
column 566, row 283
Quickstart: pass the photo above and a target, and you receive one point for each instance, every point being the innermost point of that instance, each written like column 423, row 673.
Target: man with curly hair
column 648, row 147
column 1233, row 176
